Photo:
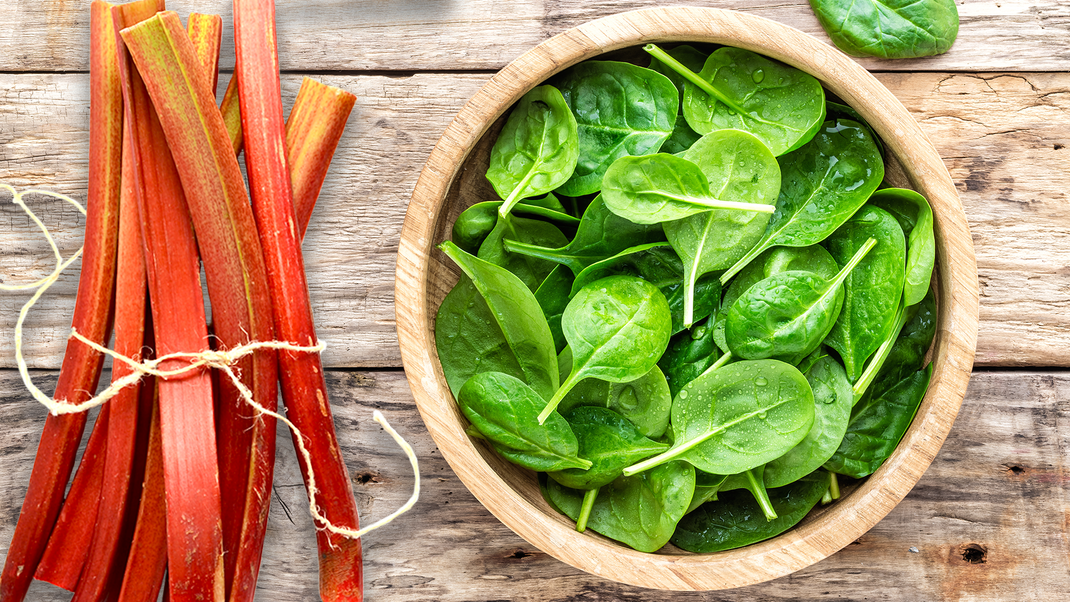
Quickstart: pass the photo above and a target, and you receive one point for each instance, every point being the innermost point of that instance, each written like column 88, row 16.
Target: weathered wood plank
column 986, row 522
column 1003, row 138
column 485, row 34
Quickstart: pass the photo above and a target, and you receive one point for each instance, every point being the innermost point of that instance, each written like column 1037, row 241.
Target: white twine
column 221, row 360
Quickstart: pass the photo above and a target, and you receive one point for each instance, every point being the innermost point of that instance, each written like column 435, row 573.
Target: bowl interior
column 454, row 180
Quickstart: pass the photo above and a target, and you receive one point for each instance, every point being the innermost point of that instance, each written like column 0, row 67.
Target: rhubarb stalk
column 191, row 478
column 206, row 33
column 303, row 387
column 237, row 284
column 81, row 366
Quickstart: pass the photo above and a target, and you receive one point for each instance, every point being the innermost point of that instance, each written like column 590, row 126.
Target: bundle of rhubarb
column 177, row 472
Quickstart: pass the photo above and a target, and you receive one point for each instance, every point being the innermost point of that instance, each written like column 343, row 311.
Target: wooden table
column 989, row 521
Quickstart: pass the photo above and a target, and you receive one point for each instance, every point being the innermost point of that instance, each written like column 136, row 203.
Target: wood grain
column 997, row 493
column 487, row 34
column 1002, row 137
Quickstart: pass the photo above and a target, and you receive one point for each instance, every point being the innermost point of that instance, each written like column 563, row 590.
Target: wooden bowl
column 454, row 179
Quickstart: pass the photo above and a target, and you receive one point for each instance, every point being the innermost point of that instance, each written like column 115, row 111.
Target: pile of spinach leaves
column 691, row 308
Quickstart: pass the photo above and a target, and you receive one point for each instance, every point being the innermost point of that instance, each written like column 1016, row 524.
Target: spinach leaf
column 682, row 138
column 822, row 185
column 517, row 314
column 640, row 511
column 610, row 441
column 662, row 187
column 877, row 424
column 617, row 328
column 735, row 519
column 738, row 89
column 752, row 480
column 872, row 291
column 706, row 487
column 889, row 29
column 503, row 409
column 600, row 234
column 833, row 399
column 915, row 216
column 689, row 355
column 621, row 109
column 658, row 264
column 682, row 135
column 788, row 314
column 475, row 223
column 536, row 150
column 553, row 296
column 530, row 270
column 739, row 168
column 904, row 350
column 835, row 110
column 763, row 408
column 776, row 260
column 645, row 401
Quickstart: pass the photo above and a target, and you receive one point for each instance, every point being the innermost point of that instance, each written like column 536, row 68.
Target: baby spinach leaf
column 662, row 187
column 776, row 260
column 469, row 339
column 738, row 89
column 682, row 138
column 706, row 488
column 553, row 296
column 735, row 519
column 600, row 234
column 640, row 511
column 621, row 109
column 617, row 328
column 536, row 150
column 835, row 110
column 788, row 314
column 475, row 223
column 822, row 185
column 739, row 168
column 738, row 417
column 915, row 216
column 658, row 264
column 530, row 270
column 688, row 56
column 503, row 409
column 689, row 355
column 877, row 424
column 752, row 480
column 872, row 291
column 517, row 314
column 833, row 399
column 610, row 441
column 904, row 350
column 889, row 29
column 645, row 401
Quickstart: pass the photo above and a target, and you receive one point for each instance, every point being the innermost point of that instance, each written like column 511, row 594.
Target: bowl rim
column 953, row 349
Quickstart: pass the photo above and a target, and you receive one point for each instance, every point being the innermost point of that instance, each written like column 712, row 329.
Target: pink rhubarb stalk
column 206, row 33
column 81, row 367
column 303, row 387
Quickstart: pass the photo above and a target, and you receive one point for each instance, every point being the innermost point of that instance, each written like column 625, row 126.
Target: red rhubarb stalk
column 231, row 111
column 303, row 387
column 237, row 284
column 206, row 33
column 68, row 547
column 81, row 366
column 130, row 306
column 191, row 478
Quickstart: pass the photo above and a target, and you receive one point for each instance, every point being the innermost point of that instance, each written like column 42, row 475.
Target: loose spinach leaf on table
column 536, row 150
column 658, row 264
column 599, row 235
column 738, row 417
column 735, row 520
column 662, row 187
column 915, row 216
column 741, row 169
column 503, row 409
column 531, row 270
column 621, row 109
column 646, row 401
column 833, row 400
column 640, row 511
column 617, row 328
column 822, row 185
column 553, row 296
column 610, row 441
column 889, row 29
column 872, row 291
column 738, row 89
column 689, row 354
column 515, row 312
column 788, row 314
